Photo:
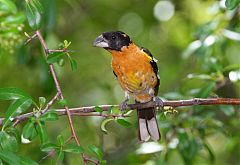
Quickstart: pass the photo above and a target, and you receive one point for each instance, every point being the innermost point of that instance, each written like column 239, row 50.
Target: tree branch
column 88, row 111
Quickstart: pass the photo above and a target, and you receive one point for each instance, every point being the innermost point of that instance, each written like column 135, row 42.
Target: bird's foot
column 158, row 102
column 123, row 106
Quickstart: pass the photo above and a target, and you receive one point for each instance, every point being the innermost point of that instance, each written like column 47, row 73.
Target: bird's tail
column 148, row 126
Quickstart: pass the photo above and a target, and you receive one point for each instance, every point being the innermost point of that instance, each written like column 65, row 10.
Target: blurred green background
column 197, row 47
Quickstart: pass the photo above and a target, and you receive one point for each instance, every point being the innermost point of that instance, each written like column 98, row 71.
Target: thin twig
column 50, row 103
column 30, row 38
column 58, row 88
column 59, row 50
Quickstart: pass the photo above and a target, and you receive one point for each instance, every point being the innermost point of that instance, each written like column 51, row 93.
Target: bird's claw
column 158, row 102
column 123, row 106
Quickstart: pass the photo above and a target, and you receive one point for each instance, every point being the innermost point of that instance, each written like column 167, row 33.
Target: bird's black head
column 112, row 40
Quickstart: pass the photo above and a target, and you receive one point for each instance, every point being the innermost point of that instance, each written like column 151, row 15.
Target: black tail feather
column 148, row 126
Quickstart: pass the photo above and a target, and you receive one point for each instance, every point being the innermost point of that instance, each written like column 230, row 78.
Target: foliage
column 198, row 56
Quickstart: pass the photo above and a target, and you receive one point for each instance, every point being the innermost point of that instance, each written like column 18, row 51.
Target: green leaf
column 12, row 93
column 103, row 162
column 104, row 123
column 7, row 142
column 210, row 152
column 60, row 156
column 124, row 123
column 42, row 101
column 60, row 140
column 14, row 19
column 62, row 102
column 27, row 161
column 55, row 57
column 29, row 130
column 231, row 4
column 231, row 67
column 49, row 147
column 33, row 15
column 199, row 76
column 206, row 90
column 110, row 110
column 73, row 64
column 17, row 107
column 9, row 157
column 228, row 110
column 12, row 131
column 61, row 62
column 96, row 151
column 38, row 6
column 42, row 131
column 98, row 109
column 192, row 47
column 49, row 116
column 73, row 148
column 9, row 5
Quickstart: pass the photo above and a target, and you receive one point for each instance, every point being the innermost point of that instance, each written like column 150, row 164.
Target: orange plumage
column 134, row 71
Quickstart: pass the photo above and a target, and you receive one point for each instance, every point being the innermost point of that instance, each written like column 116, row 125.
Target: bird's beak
column 100, row 41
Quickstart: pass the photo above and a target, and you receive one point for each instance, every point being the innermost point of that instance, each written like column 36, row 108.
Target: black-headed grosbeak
column 137, row 73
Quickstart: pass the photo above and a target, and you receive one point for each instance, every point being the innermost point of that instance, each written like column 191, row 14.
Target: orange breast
column 134, row 71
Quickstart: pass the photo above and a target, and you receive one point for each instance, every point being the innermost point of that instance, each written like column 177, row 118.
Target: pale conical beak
column 101, row 42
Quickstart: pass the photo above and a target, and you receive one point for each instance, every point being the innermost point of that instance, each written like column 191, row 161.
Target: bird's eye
column 113, row 37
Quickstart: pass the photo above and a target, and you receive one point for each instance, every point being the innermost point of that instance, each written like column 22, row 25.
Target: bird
column 137, row 73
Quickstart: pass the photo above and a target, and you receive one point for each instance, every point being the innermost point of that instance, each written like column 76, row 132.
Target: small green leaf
column 60, row 140
column 7, row 142
column 110, row 110
column 103, row 162
column 38, row 6
column 9, row 157
column 96, row 151
column 27, row 161
column 228, row 110
column 124, row 123
column 192, row 47
column 42, row 101
column 210, row 152
column 231, row 4
column 61, row 62
column 60, row 157
column 29, row 130
column 12, row 131
column 206, row 90
column 128, row 112
column 231, row 67
column 17, row 107
column 49, row 147
column 9, row 5
column 55, row 57
column 62, row 102
column 104, row 123
column 42, row 131
column 33, row 15
column 73, row 64
column 66, row 44
column 199, row 76
column 15, row 19
column 73, row 148
column 98, row 109
column 12, row 93
column 49, row 116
